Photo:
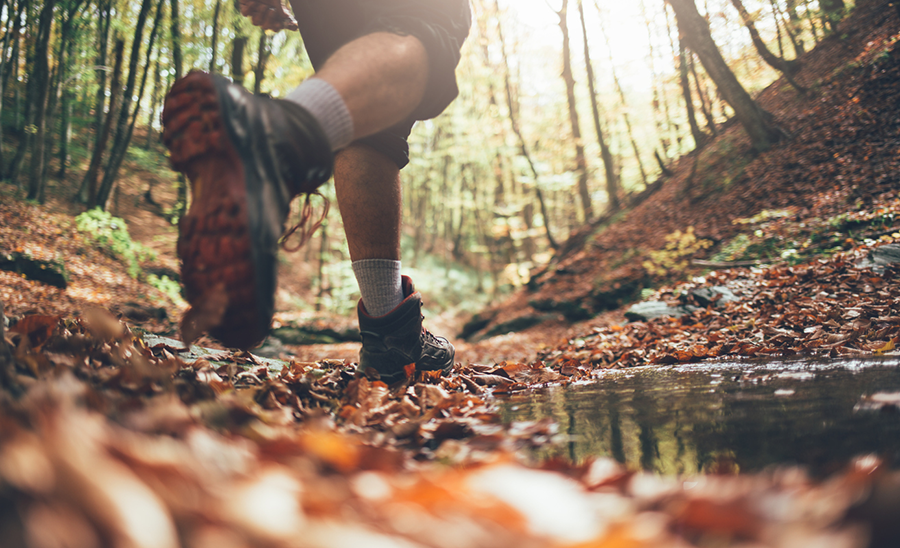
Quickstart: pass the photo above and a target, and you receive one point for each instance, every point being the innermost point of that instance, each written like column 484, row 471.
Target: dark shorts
column 441, row 25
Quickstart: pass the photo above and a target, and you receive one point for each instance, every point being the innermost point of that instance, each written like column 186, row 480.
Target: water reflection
column 741, row 416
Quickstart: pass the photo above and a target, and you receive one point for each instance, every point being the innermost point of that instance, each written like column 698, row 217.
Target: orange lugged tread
column 213, row 242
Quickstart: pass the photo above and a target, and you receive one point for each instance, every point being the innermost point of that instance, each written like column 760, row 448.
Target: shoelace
column 305, row 232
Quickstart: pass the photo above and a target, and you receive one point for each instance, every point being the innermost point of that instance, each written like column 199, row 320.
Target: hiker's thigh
column 441, row 26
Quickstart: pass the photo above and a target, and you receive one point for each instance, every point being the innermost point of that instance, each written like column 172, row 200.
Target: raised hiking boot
column 395, row 345
column 246, row 157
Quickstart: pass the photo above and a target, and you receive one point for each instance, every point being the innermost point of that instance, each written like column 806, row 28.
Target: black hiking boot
column 396, row 345
column 246, row 158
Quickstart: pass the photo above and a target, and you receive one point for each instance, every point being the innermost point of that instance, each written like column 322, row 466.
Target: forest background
column 567, row 111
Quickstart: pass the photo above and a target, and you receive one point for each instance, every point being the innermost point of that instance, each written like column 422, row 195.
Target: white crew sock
column 379, row 285
column 328, row 108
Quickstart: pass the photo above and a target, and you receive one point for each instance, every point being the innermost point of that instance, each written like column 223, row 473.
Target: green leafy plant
column 111, row 235
column 167, row 285
column 673, row 258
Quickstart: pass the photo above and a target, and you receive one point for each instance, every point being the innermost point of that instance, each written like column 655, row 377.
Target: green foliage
column 166, row 285
column 111, row 235
column 673, row 258
column 147, row 160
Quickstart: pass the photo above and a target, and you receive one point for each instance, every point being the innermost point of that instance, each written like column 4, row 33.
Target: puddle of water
column 745, row 416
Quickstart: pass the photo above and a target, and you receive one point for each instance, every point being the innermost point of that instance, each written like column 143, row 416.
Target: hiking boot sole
column 219, row 267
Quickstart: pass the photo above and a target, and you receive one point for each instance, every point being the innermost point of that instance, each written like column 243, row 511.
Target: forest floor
column 112, row 436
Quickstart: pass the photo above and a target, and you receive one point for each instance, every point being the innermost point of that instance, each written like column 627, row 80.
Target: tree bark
column 175, row 32
column 788, row 68
column 90, row 178
column 125, row 127
column 215, row 37
column 41, row 75
column 262, row 58
column 514, row 122
column 706, row 110
column 757, row 122
column 612, row 181
column 580, row 160
column 154, row 103
column 237, row 59
column 700, row 138
column 23, row 122
column 624, row 102
column 88, row 184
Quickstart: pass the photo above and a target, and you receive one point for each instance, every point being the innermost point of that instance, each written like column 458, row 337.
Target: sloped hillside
column 824, row 186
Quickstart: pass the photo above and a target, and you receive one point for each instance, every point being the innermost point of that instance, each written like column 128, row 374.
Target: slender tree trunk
column 215, row 37
column 175, row 31
column 88, row 184
column 12, row 30
column 812, row 21
column 262, row 59
column 700, row 138
column 65, row 130
column 660, row 102
column 154, row 103
column 612, row 182
column 788, row 68
column 41, row 75
column 514, row 122
column 23, row 121
column 580, row 161
column 705, row 108
column 178, row 68
column 680, row 56
column 125, row 127
column 623, row 101
column 90, row 178
column 237, row 59
column 757, row 122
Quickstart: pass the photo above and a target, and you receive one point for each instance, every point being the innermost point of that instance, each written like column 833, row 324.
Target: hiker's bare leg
column 367, row 184
column 381, row 78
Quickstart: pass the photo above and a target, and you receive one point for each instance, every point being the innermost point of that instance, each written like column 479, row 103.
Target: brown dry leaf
column 37, row 329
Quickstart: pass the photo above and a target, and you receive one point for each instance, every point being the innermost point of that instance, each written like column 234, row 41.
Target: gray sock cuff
column 379, row 284
column 328, row 108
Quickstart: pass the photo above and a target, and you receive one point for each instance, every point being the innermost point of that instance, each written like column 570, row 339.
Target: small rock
column 881, row 256
column 648, row 310
column 716, row 295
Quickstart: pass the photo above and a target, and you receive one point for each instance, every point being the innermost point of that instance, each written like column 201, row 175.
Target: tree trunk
column 660, row 102
column 514, row 122
column 175, row 31
column 263, row 57
column 237, row 59
column 215, row 37
column 612, row 182
column 65, row 129
column 706, row 110
column 700, row 138
column 756, row 122
column 41, row 75
column 580, row 160
column 154, row 103
column 623, row 101
column 23, row 121
column 90, row 178
column 88, row 184
column 125, row 127
column 788, row 68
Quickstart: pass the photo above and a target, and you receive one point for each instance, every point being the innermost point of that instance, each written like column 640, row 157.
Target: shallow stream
column 742, row 416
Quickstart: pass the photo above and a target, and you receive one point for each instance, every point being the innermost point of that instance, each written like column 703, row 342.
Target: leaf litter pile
column 108, row 441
